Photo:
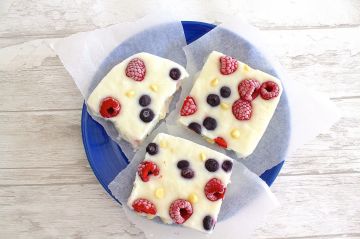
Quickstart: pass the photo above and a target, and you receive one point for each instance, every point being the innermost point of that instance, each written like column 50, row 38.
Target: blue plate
column 106, row 157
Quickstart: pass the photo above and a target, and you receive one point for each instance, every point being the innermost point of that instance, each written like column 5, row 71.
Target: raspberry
column 221, row 142
column 189, row 106
column 228, row 65
column 109, row 107
column 144, row 206
column 214, row 189
column 242, row 109
column 147, row 168
column 269, row 90
column 180, row 210
column 249, row 89
column 136, row 69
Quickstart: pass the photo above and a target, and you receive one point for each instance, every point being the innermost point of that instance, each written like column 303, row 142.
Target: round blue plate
column 106, row 157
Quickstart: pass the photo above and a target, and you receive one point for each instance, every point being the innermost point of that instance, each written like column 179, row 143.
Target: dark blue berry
column 195, row 127
column 187, row 173
column 227, row 165
column 175, row 73
column 152, row 148
column 213, row 100
column 225, row 91
column 211, row 165
column 183, row 164
column 144, row 100
column 208, row 223
column 146, row 115
column 210, row 123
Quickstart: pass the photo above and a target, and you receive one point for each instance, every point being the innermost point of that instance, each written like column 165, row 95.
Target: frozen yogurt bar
column 231, row 104
column 181, row 182
column 135, row 94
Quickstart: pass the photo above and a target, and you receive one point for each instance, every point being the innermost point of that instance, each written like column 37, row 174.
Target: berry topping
column 152, row 148
column 195, row 127
column 208, row 223
column 213, row 100
column 210, row 123
column 227, row 165
column 183, row 164
column 144, row 206
column 175, row 73
column 109, row 107
column 269, row 90
column 242, row 109
column 228, row 65
column 144, row 100
column 214, row 189
column 136, row 69
column 180, row 210
column 187, row 173
column 211, row 165
column 221, row 142
column 249, row 89
column 146, row 169
column 225, row 91
column 189, row 106
column 146, row 115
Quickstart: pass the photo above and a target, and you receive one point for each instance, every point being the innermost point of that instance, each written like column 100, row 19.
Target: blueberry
column 144, row 100
column 152, row 148
column 146, row 115
column 211, row 165
column 210, row 123
column 213, row 100
column 195, row 127
column 225, row 91
column 183, row 164
column 208, row 223
column 175, row 73
column 227, row 165
column 187, row 173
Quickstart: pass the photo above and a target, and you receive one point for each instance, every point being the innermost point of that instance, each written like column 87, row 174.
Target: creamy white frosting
column 117, row 85
column 171, row 150
column 250, row 131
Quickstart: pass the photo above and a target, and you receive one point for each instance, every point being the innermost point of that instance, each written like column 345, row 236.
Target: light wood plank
column 86, row 211
column 312, row 58
column 58, row 18
column 48, row 149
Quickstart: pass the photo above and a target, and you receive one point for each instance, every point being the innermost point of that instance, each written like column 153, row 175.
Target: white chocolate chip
column 224, row 106
column 163, row 143
column 130, row 93
column 154, row 88
column 159, row 193
column 235, row 133
column 214, row 82
column 202, row 156
column 193, row 198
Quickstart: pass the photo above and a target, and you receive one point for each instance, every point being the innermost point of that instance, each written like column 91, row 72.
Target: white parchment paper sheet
column 248, row 199
column 89, row 56
column 300, row 115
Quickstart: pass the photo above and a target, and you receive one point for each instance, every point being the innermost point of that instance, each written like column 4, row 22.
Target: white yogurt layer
column 169, row 185
column 241, row 136
column 157, row 84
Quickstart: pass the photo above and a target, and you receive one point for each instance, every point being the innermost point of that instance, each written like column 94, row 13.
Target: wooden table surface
column 47, row 189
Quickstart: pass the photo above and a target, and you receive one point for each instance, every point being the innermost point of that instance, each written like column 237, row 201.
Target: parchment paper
column 89, row 56
column 300, row 115
column 248, row 199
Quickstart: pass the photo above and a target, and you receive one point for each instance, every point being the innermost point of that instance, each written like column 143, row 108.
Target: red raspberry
column 189, row 106
column 147, row 168
column 144, row 206
column 242, row 109
column 180, row 210
column 214, row 189
column 249, row 89
column 136, row 69
column 269, row 90
column 221, row 142
column 109, row 107
column 228, row 65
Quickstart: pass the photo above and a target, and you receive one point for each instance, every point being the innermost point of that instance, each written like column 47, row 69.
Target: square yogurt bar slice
column 135, row 94
column 231, row 104
column 181, row 182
